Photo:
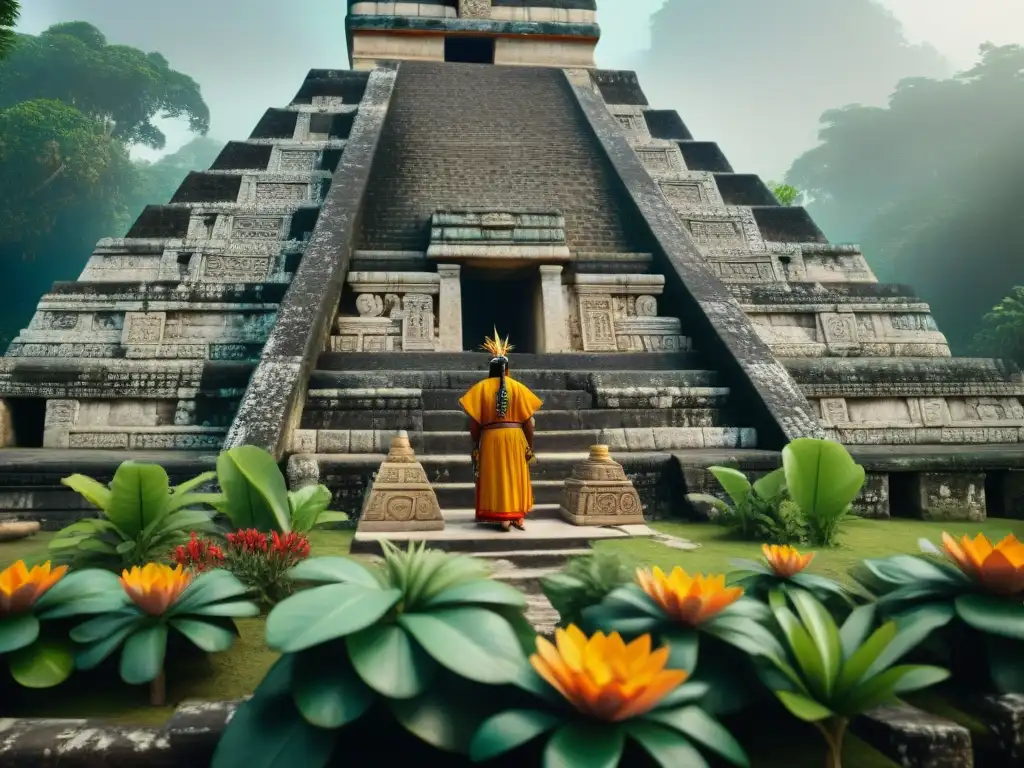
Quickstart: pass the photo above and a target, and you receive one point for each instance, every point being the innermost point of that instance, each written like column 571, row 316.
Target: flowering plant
column 974, row 588
column 150, row 602
column 198, row 554
column 29, row 597
column 783, row 568
column 595, row 693
column 262, row 562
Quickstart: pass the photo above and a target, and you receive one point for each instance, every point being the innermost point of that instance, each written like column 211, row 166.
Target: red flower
column 293, row 545
column 198, row 555
column 249, row 540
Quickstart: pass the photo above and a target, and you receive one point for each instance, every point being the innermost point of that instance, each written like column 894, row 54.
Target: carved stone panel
column 401, row 498
column 281, row 193
column 716, row 234
column 599, row 493
column 597, row 323
column 235, row 269
column 840, row 331
column 834, row 412
column 475, row 9
column 684, row 195
column 294, row 161
column 418, row 332
column 258, row 228
column 143, row 328
column 935, row 412
column 663, row 161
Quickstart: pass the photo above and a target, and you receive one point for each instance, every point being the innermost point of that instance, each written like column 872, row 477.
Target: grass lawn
column 237, row 672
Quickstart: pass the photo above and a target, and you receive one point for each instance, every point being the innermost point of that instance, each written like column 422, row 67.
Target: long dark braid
column 501, row 399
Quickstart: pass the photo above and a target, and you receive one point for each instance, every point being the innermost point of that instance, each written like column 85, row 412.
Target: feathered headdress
column 496, row 346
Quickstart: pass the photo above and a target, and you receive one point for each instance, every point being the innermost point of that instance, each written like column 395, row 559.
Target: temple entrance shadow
column 500, row 299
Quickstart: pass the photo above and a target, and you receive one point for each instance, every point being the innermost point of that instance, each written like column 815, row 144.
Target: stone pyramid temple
column 328, row 281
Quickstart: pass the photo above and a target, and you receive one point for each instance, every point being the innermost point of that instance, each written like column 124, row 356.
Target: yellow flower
column 602, row 676
column 1000, row 569
column 691, row 600
column 786, row 561
column 154, row 587
column 21, row 587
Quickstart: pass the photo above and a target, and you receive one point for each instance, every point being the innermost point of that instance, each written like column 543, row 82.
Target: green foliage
column 823, row 480
column 42, row 659
column 760, row 511
column 1002, row 330
column 9, row 11
column 203, row 614
column 255, row 495
column 830, row 674
column 758, row 580
column 426, row 632
column 584, row 582
column 786, row 194
column 143, row 520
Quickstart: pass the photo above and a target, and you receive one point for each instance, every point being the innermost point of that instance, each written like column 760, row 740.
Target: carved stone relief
column 599, row 493
column 401, row 498
column 475, row 9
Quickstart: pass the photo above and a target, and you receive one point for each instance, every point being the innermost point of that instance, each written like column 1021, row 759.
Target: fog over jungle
column 902, row 133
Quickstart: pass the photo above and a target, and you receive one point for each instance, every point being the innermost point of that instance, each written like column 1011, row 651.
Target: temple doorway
column 502, row 299
column 469, row 50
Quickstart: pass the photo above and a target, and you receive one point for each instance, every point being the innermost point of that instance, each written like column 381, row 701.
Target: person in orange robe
column 502, row 430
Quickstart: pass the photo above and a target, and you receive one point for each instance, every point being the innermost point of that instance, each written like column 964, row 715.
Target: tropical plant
column 152, row 601
column 977, row 591
column 822, row 480
column 828, row 674
column 143, row 518
column 31, row 597
column 786, row 194
column 412, row 636
column 783, row 568
column 255, row 495
column 262, row 562
column 584, row 582
column 9, row 11
column 760, row 510
column 688, row 614
column 594, row 694
column 199, row 555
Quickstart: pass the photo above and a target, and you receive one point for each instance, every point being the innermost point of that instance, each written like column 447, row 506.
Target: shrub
column 760, row 511
column 826, row 674
column 429, row 637
column 150, row 602
column 30, row 599
column 262, row 563
column 255, row 495
column 977, row 591
column 823, row 480
column 585, row 581
column 614, row 692
column 143, row 518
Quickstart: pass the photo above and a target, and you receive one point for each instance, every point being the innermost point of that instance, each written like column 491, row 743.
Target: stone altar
column 599, row 493
column 401, row 498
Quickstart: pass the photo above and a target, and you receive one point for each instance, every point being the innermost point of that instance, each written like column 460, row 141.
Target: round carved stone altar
column 402, row 498
column 599, row 493
column 20, row 529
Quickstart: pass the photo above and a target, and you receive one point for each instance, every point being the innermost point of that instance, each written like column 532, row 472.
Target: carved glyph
column 401, row 498
column 475, row 9
column 599, row 493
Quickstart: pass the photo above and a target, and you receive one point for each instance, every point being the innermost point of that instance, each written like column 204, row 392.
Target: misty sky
column 252, row 54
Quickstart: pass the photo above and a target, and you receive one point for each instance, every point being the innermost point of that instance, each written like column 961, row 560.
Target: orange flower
column 602, row 676
column 21, row 587
column 1000, row 569
column 691, row 600
column 786, row 561
column 154, row 587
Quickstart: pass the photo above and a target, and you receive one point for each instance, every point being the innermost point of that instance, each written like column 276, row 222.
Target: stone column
column 556, row 337
column 450, row 321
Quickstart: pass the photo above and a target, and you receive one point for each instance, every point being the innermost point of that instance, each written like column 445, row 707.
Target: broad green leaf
column 327, row 517
column 93, row 655
column 257, row 496
column 687, row 693
column 92, row 491
column 507, row 731
column 326, row 689
column 913, row 627
column 445, row 716
column 863, row 659
column 205, row 635
column 749, row 636
column 703, row 729
column 771, row 485
column 106, row 624
column 1004, row 664
column 325, row 613
column 478, row 593
column 682, row 645
column 804, row 708
column 142, row 657
column 920, row 676
column 992, row 615
column 915, row 570
column 823, row 632
column 388, row 661
column 626, row 621
column 42, row 664
column 856, row 629
column 453, row 570
column 234, row 609
column 580, row 744
column 138, row 496
column 343, row 570
column 77, row 585
column 633, row 597
column 667, row 747
column 306, row 506
column 733, row 481
column 184, row 520
column 17, row 632
column 883, row 688
column 208, row 588
column 475, row 643
column 805, row 652
column 103, row 602
column 185, row 490
column 818, row 584
column 822, row 477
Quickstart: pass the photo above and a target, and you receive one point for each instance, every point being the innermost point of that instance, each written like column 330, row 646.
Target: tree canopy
column 8, row 17
column 930, row 186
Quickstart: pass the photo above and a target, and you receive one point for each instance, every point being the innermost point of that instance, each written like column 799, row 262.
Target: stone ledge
column 499, row 28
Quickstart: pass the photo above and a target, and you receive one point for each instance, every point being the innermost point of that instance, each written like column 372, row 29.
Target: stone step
column 557, row 399
column 527, row 579
column 548, row 420
column 477, row 361
column 463, row 534
column 567, row 379
column 634, row 438
column 463, row 495
column 555, row 559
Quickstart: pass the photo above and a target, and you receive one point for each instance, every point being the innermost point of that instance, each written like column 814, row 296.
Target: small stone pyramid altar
column 599, row 493
column 402, row 498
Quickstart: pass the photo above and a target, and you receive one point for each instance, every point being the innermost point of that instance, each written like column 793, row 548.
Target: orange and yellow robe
column 503, row 490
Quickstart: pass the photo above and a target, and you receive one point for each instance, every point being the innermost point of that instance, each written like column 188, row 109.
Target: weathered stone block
column 1004, row 716
column 873, row 500
column 915, row 739
column 599, row 493
column 304, row 441
column 950, row 496
column 401, row 498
